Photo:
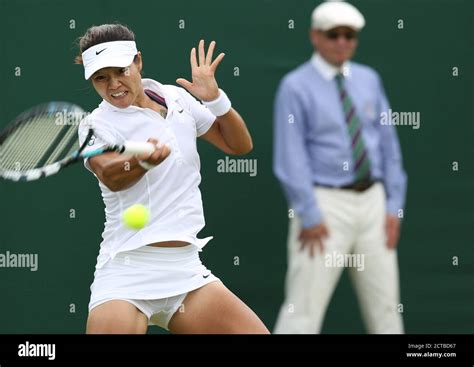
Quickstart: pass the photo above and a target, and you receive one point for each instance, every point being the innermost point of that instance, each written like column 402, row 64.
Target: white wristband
column 220, row 106
column 145, row 165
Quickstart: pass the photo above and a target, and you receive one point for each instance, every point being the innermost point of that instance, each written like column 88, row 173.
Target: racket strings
column 36, row 141
column 11, row 149
column 67, row 145
column 30, row 145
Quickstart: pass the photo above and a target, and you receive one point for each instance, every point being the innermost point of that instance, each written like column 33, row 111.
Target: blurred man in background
column 342, row 174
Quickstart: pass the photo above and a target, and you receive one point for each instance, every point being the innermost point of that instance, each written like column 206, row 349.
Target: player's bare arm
column 229, row 132
column 119, row 172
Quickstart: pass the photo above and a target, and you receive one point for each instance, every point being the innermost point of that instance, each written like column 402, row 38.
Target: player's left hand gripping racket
column 44, row 139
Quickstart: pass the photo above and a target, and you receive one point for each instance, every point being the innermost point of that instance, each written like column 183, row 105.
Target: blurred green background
column 246, row 215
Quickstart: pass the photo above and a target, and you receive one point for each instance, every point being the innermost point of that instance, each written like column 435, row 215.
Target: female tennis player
column 154, row 276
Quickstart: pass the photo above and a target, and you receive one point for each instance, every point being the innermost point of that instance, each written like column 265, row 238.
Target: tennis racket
column 44, row 139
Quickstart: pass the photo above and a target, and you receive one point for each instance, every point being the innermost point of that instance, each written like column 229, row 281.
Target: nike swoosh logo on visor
column 98, row 52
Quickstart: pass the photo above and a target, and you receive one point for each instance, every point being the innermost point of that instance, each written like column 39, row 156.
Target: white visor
column 108, row 54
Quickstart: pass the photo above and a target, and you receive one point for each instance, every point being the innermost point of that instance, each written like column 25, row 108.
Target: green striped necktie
column 359, row 152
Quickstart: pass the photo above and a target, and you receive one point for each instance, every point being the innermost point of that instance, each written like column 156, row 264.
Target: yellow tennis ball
column 136, row 216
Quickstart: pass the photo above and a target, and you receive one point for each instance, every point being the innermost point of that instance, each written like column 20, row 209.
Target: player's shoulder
column 178, row 92
column 97, row 116
column 181, row 94
column 185, row 99
column 96, row 113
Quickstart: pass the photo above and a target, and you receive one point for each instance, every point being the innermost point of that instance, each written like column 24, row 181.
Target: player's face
column 336, row 45
column 120, row 87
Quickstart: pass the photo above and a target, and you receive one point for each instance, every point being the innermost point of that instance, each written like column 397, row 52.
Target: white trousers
column 357, row 240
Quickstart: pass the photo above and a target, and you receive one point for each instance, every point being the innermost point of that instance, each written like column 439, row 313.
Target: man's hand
column 392, row 229
column 204, row 85
column 313, row 237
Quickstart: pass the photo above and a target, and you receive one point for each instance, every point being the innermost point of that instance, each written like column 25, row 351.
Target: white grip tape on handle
column 133, row 148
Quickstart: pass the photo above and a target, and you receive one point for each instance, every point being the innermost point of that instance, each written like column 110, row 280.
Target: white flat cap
column 331, row 14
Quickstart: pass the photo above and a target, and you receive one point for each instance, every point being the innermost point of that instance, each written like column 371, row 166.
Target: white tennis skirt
column 150, row 273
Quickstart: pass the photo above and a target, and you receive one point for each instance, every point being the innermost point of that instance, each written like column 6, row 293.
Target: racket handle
column 133, row 148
